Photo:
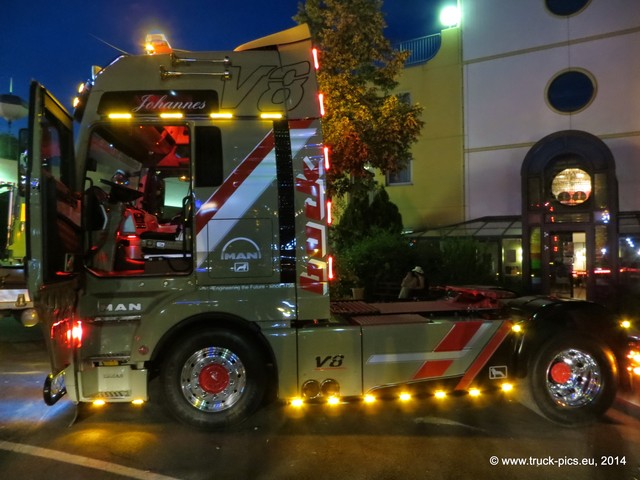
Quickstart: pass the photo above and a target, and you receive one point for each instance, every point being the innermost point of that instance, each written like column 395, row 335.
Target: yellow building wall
column 436, row 195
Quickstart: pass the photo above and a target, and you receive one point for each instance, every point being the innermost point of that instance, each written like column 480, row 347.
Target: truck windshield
column 137, row 200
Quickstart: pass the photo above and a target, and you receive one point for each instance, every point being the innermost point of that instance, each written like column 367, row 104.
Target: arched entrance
column 569, row 216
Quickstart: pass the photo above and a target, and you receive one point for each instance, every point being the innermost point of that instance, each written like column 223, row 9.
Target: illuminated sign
column 188, row 102
column 572, row 186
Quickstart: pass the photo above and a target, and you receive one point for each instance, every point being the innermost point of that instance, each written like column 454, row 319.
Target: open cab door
column 53, row 241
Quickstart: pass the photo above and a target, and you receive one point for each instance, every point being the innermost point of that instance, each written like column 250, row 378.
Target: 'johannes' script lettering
column 153, row 102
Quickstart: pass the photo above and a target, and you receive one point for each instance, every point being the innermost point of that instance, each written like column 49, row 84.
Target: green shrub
column 382, row 257
column 462, row 261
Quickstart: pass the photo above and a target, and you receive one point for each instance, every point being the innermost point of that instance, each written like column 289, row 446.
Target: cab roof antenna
column 110, row 45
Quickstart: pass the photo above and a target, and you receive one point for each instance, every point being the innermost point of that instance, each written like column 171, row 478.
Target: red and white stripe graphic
column 464, row 350
column 484, row 356
column 451, row 347
column 241, row 189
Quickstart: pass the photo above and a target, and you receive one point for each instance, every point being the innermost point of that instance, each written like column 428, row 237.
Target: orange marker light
column 156, row 44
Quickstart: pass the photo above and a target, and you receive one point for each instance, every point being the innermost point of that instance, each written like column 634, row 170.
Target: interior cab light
column 221, row 115
column 316, row 63
column 171, row 115
column 321, row 102
column 119, row 116
column 271, row 116
column 156, row 44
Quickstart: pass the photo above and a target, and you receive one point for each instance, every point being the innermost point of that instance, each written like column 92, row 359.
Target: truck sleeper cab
column 193, row 203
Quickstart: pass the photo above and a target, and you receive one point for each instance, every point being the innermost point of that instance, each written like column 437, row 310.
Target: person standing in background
column 412, row 284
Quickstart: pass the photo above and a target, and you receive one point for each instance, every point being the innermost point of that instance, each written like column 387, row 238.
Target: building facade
column 430, row 191
column 551, row 142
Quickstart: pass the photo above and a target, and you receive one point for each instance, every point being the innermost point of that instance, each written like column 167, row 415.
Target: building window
column 564, row 8
column 401, row 177
column 571, row 91
column 572, row 186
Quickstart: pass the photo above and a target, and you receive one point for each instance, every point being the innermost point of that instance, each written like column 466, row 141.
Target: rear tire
column 213, row 378
column 572, row 380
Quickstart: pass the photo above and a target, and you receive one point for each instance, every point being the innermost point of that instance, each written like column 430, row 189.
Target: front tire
column 213, row 378
column 572, row 380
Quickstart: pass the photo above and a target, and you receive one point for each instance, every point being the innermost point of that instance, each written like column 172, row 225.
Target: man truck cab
column 195, row 197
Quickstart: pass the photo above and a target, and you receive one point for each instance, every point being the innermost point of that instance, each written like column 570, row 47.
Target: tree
column 365, row 126
column 368, row 244
column 364, row 218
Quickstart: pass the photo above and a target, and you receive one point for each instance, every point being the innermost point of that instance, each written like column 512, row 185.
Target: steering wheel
column 120, row 193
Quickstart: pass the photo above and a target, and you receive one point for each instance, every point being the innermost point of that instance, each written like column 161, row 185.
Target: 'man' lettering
column 121, row 307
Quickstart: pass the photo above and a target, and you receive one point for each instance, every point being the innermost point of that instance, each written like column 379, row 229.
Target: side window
column 209, row 172
column 56, row 148
column 404, row 175
column 60, row 204
column 137, row 209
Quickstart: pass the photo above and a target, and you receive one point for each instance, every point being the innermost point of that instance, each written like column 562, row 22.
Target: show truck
column 185, row 238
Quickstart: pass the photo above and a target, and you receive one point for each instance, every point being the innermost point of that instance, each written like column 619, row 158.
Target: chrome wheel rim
column 574, row 378
column 213, row 379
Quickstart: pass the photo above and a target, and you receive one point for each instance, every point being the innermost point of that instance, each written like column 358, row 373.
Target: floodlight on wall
column 450, row 16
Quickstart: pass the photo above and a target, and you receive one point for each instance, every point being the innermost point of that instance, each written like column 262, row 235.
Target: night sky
column 57, row 42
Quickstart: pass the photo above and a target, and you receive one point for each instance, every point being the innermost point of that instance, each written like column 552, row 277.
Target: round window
column 565, row 7
column 572, row 186
column 570, row 91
